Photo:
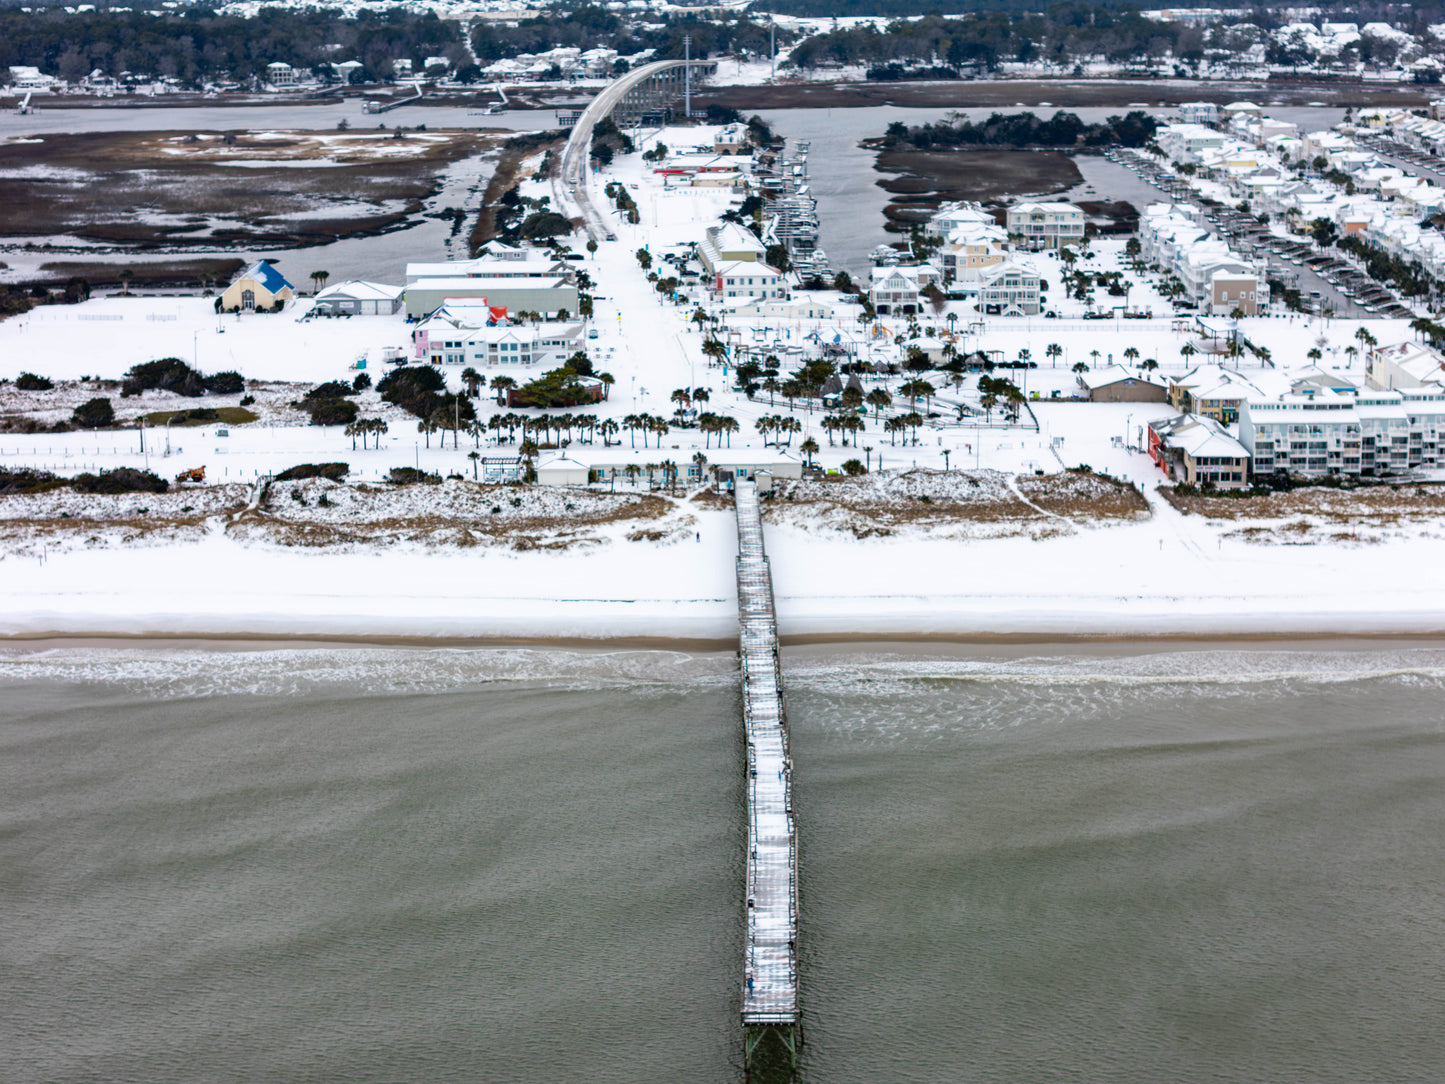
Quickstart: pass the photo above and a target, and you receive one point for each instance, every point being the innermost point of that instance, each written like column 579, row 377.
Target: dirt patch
column 321, row 514
column 1318, row 515
column 150, row 190
column 924, row 179
column 1373, row 503
column 171, row 273
column 1086, row 496
column 960, row 504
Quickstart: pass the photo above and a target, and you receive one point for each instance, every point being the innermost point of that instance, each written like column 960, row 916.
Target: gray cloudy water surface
column 1023, row 864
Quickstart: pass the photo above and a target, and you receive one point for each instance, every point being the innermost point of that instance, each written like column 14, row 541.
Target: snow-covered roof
column 361, row 290
column 266, row 275
column 1199, row 436
column 1115, row 374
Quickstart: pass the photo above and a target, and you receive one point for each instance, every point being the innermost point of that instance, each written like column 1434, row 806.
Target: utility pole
column 687, row 76
column 773, row 43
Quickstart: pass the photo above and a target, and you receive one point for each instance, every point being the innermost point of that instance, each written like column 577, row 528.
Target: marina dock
column 770, row 968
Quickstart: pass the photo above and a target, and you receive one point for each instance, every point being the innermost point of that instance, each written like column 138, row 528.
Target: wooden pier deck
column 770, row 969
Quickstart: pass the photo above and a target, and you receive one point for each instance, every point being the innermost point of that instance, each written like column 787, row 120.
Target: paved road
column 569, row 186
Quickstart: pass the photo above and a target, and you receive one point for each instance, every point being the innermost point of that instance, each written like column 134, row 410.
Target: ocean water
column 1023, row 864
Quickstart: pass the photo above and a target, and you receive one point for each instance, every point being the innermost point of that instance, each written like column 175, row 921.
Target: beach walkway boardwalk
column 770, row 972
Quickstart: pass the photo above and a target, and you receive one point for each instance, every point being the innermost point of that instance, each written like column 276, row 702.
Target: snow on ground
column 1054, row 572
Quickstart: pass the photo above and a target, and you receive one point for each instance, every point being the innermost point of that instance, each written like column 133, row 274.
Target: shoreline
column 1104, row 643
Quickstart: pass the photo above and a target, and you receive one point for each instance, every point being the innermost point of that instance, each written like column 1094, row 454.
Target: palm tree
column 472, row 380
column 728, row 426
column 765, row 425
column 126, row 274
column 681, row 398
column 1080, row 367
column 830, row 426
column 427, row 426
column 894, row 426
column 1054, row 351
column 660, row 428
column 475, row 428
column 378, row 429
column 608, row 429
column 632, row 470
column 501, row 385
column 318, row 280
column 607, row 380
column 809, row 448
column 352, row 430
column 475, row 457
column 632, row 423
column 1131, row 353
column 878, row 399
column 700, row 461
column 789, row 426
column 700, row 395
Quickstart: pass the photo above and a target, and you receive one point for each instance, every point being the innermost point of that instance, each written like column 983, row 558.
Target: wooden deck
column 770, row 969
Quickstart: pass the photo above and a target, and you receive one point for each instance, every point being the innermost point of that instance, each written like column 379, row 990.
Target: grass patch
column 231, row 415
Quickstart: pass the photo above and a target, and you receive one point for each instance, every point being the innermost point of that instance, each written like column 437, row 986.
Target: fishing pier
column 770, row 966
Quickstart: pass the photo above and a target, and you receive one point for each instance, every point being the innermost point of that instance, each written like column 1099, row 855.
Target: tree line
column 1064, row 130
column 197, row 44
column 1062, row 34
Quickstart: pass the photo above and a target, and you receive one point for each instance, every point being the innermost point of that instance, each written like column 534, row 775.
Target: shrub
column 405, row 476
column 167, row 374
column 332, row 411
column 332, row 389
column 854, row 467
column 95, row 414
column 121, row 480
column 361, row 383
column 415, row 388
column 227, row 383
column 24, row 480
column 248, row 400
column 31, row 382
column 334, row 471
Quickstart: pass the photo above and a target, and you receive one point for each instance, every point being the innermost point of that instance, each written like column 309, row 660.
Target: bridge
column 648, row 88
column 770, row 964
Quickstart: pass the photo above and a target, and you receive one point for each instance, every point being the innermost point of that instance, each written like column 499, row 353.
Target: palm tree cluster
column 720, row 424
column 364, row 427
column 992, row 389
column 645, row 424
column 901, row 424
column 783, row 425
column 846, row 422
column 542, row 425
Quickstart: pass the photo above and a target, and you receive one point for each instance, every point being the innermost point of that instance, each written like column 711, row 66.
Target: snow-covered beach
column 1040, row 573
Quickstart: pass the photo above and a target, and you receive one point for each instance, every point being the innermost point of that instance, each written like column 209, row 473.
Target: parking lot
column 1325, row 281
